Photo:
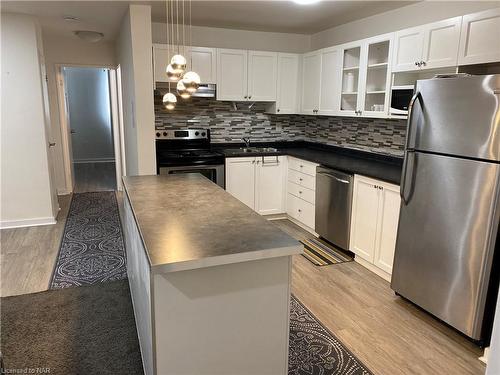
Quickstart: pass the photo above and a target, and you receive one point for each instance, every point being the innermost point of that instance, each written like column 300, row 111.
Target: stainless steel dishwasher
column 333, row 205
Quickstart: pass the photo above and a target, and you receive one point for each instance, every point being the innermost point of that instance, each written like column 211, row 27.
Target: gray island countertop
column 188, row 222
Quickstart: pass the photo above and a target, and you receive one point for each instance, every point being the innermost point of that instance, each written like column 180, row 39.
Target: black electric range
column 188, row 151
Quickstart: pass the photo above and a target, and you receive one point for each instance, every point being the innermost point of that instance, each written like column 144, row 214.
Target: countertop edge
column 221, row 260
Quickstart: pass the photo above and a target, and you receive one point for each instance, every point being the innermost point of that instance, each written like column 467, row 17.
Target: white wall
column 134, row 55
column 398, row 19
column 69, row 50
column 25, row 179
column 241, row 39
column 493, row 367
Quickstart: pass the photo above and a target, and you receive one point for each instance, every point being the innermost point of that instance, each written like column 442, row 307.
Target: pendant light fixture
column 187, row 82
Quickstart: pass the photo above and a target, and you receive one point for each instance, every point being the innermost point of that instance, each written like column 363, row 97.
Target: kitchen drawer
column 301, row 192
column 302, row 179
column 302, row 166
column 300, row 210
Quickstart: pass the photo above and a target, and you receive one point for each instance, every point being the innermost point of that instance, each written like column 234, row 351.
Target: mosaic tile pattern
column 228, row 124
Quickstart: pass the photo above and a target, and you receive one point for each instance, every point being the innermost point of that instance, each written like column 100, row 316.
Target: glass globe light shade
column 172, row 75
column 178, row 63
column 169, row 101
column 182, row 91
column 192, row 81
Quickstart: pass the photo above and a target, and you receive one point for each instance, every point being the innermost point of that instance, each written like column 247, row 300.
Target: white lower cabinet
column 301, row 194
column 259, row 182
column 374, row 224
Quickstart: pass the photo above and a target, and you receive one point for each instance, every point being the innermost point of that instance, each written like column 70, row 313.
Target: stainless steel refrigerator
column 450, row 198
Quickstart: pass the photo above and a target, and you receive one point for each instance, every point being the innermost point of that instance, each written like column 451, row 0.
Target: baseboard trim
column 484, row 357
column 384, row 275
column 303, row 226
column 6, row 224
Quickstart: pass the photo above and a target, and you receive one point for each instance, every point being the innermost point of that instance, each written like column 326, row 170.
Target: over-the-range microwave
column 400, row 99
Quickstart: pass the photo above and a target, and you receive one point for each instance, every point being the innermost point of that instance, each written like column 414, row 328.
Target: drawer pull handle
column 300, row 192
column 300, row 210
column 300, row 179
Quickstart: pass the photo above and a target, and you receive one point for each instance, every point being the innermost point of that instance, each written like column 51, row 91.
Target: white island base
column 229, row 319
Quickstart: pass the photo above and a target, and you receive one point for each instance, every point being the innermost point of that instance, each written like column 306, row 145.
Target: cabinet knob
column 245, row 97
column 416, row 63
column 300, row 210
column 250, row 97
column 300, row 192
column 278, row 110
column 300, row 179
column 423, row 63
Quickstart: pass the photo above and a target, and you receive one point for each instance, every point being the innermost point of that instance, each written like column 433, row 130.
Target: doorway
column 90, row 127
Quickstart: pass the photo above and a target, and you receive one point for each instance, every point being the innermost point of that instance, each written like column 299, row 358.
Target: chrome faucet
column 247, row 142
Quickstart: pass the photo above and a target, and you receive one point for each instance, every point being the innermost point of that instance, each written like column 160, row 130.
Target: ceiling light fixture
column 306, row 2
column 89, row 36
column 71, row 19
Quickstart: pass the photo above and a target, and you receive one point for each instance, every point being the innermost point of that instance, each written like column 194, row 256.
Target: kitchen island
column 209, row 279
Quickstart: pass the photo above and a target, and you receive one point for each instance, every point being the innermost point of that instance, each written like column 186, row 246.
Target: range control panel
column 183, row 134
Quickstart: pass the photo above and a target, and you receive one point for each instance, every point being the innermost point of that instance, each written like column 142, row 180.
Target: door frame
column 116, row 122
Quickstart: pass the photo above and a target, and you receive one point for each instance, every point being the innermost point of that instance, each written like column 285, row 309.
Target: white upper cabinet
column 441, row 40
column 480, row 38
column 246, row 75
column 232, row 74
column 430, row 46
column 376, row 77
column 329, row 81
column 351, row 78
column 204, row 62
column 262, row 75
column 201, row 59
column 288, row 80
column 311, row 81
column 408, row 46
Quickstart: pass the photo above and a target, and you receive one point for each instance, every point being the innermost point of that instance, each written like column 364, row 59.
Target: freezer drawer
column 446, row 238
column 333, row 206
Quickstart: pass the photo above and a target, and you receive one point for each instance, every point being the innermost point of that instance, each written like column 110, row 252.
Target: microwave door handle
column 415, row 97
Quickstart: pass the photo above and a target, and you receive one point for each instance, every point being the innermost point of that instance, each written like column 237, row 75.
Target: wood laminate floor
column 390, row 335
column 94, row 177
column 28, row 255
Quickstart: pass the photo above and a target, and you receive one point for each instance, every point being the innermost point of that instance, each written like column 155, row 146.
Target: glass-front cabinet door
column 376, row 85
column 351, row 78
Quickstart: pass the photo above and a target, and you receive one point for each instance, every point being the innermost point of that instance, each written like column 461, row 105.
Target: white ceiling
column 278, row 15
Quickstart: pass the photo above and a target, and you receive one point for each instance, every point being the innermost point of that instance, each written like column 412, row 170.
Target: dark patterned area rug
column 314, row 350
column 92, row 248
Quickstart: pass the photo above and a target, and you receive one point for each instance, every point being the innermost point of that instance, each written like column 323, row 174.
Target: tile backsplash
column 229, row 124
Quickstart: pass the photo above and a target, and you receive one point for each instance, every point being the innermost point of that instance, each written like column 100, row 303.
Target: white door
column 330, row 85
column 311, row 85
column 388, row 226
column 204, row 62
column 232, row 73
column 364, row 218
column 270, row 185
column 441, row 41
column 262, row 76
column 240, row 179
column 408, row 47
column 480, row 38
column 288, row 79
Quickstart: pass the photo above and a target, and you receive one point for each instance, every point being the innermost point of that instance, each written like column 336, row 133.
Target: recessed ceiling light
column 71, row 18
column 89, row 36
column 306, row 2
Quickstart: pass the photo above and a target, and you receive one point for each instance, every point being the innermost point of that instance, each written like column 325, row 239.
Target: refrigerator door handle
column 405, row 193
column 414, row 98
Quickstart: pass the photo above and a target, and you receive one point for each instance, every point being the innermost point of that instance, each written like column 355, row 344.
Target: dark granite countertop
column 380, row 166
column 188, row 222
